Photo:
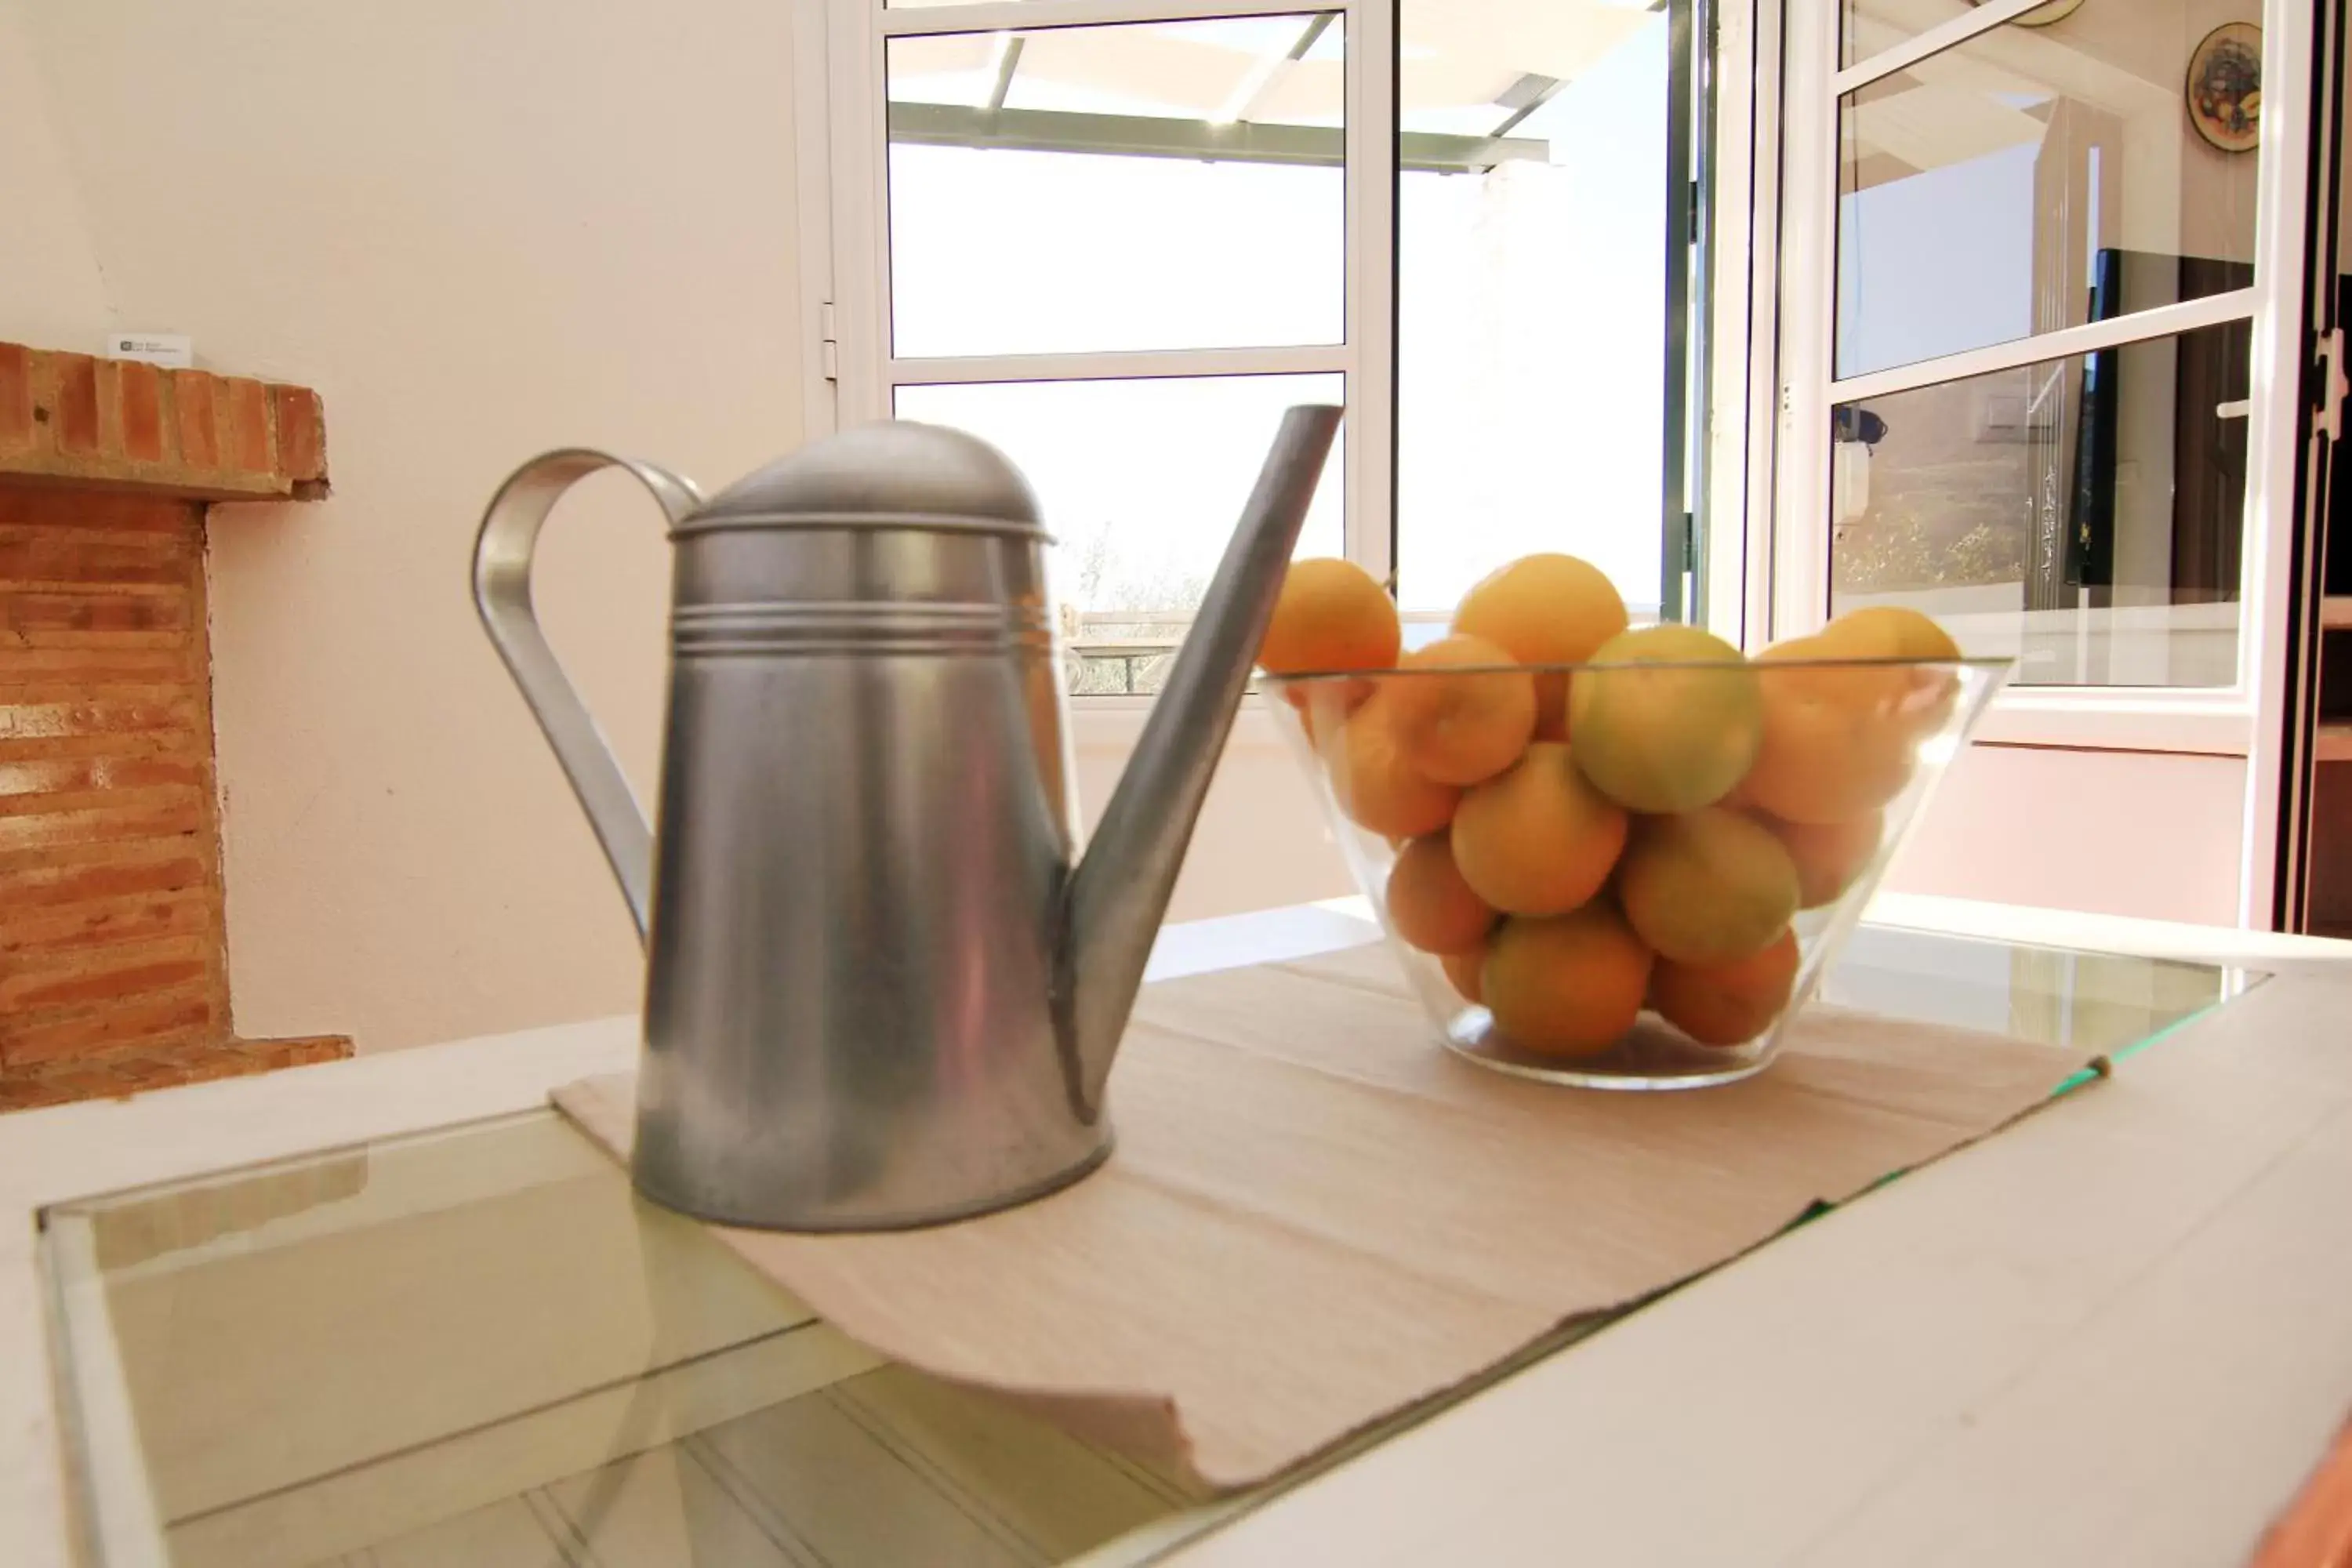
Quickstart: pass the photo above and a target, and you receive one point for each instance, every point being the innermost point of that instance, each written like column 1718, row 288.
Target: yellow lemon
column 1672, row 729
column 1708, row 886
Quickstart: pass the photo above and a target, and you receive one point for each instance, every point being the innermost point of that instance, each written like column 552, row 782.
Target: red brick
column 138, row 429
column 302, row 449
column 147, row 815
column 83, row 927
column 179, row 1058
column 70, row 774
column 35, row 717
column 25, row 1039
column 57, row 983
column 62, row 887
column 28, row 1093
column 77, row 411
column 50, row 556
column 64, row 610
column 143, row 411
column 15, row 397
column 96, row 1082
column 110, row 407
column 296, row 1052
column 53, row 506
column 192, row 400
column 248, row 425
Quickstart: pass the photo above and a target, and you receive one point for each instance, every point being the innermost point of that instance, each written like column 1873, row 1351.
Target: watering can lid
column 891, row 473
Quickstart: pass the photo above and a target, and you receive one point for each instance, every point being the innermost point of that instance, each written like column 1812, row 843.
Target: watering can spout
column 1120, row 891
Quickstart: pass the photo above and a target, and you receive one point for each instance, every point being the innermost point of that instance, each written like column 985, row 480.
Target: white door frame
column 2243, row 719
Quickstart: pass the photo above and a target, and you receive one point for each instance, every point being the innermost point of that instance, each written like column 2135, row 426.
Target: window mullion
column 1807, row 274
column 2090, row 337
column 1371, row 264
column 1960, row 29
column 859, row 158
column 1106, row 364
column 1009, row 15
column 1743, row 386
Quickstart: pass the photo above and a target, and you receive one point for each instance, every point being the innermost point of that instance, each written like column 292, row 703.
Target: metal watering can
column 882, row 988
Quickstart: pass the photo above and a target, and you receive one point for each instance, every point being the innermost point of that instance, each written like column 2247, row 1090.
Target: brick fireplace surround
column 113, row 948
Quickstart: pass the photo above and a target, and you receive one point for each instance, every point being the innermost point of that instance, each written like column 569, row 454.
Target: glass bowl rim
column 1331, row 677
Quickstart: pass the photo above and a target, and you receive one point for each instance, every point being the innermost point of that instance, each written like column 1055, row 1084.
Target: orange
column 1461, row 728
column 1545, row 610
column 1925, row 706
column 1671, row 729
column 1330, row 615
column 1539, row 839
column 1324, row 706
column 1570, row 985
column 1825, row 758
column 1429, row 903
column 1828, row 856
column 1790, row 667
column 1924, row 696
column 1730, row 1003
column 1376, row 787
column 1905, row 632
column 1707, row 888
column 1462, row 971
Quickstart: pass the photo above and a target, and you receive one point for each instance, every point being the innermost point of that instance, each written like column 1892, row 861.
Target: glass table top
column 476, row 1347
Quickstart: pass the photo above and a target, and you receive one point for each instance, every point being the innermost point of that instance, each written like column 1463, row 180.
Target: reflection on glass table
column 1978, row 187
column 476, row 1349
column 1142, row 482
column 2081, row 515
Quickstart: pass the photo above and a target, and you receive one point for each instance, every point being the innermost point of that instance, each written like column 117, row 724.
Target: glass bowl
column 1625, row 875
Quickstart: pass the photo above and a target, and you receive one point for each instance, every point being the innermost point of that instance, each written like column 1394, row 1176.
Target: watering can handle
column 502, row 559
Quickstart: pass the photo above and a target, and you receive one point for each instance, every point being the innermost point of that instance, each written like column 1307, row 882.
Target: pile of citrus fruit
column 1576, row 846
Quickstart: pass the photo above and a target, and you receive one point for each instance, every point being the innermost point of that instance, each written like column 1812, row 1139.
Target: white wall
column 478, row 231
column 2126, row 833
column 50, row 291
column 1262, row 841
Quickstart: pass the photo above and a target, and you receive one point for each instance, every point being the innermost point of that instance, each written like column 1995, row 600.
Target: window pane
column 2033, row 179
column 2082, row 514
column 1531, row 295
column 1141, row 483
column 1076, row 189
column 1873, row 27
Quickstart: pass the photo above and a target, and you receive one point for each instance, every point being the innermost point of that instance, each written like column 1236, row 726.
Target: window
column 1119, row 242
column 1531, row 387
column 2020, row 391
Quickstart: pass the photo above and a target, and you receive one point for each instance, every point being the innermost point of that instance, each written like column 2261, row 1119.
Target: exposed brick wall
column 126, row 425
column 113, row 951
column 110, row 923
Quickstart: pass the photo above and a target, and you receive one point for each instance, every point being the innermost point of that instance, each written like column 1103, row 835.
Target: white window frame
column 870, row 374
column 2242, row 720
column 846, row 271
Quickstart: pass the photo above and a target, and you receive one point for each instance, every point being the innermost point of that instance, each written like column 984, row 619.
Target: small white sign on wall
column 169, row 348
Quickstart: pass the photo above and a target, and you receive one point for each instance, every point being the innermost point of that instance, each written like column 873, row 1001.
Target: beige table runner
column 1315, row 1216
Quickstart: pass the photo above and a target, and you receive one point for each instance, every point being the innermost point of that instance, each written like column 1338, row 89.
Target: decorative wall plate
column 2224, row 91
